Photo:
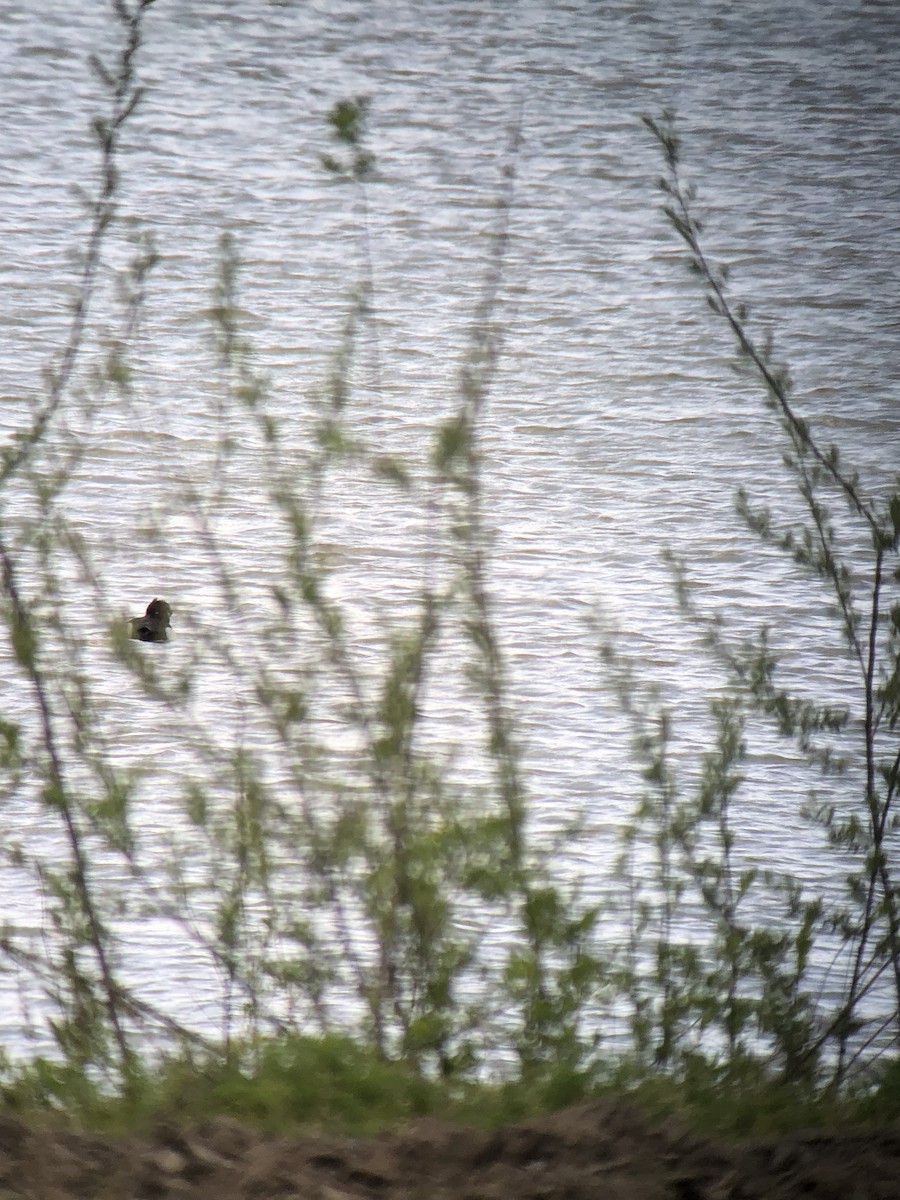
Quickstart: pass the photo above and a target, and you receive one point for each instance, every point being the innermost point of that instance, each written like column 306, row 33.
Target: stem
column 683, row 220
column 823, row 562
column 23, row 636
column 125, row 98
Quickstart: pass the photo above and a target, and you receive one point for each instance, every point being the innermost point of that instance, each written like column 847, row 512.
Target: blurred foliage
column 446, row 957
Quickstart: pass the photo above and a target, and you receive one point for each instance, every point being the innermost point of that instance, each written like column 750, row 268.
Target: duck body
column 152, row 626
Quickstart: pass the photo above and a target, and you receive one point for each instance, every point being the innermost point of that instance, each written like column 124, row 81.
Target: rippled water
column 616, row 426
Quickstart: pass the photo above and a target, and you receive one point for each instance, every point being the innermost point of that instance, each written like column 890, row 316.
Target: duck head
column 152, row 626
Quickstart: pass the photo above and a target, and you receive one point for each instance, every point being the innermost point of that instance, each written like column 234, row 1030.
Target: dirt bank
column 596, row 1151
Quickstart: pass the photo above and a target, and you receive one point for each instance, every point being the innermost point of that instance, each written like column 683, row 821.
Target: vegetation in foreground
column 334, row 1084
column 324, row 876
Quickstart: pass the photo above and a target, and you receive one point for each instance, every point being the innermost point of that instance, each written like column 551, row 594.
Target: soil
column 598, row 1151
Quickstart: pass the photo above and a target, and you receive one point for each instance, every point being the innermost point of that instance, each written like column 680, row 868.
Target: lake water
column 616, row 427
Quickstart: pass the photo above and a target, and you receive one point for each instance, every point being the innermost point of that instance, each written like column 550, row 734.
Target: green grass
column 337, row 1085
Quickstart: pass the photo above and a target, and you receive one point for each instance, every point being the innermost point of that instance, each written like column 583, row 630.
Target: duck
column 152, row 626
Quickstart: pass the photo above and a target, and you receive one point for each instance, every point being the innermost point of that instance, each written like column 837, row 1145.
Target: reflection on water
column 615, row 427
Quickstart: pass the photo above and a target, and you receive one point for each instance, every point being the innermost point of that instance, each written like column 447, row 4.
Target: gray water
column 616, row 426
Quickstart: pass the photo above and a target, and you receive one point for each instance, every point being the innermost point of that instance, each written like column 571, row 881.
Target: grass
column 335, row 1085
